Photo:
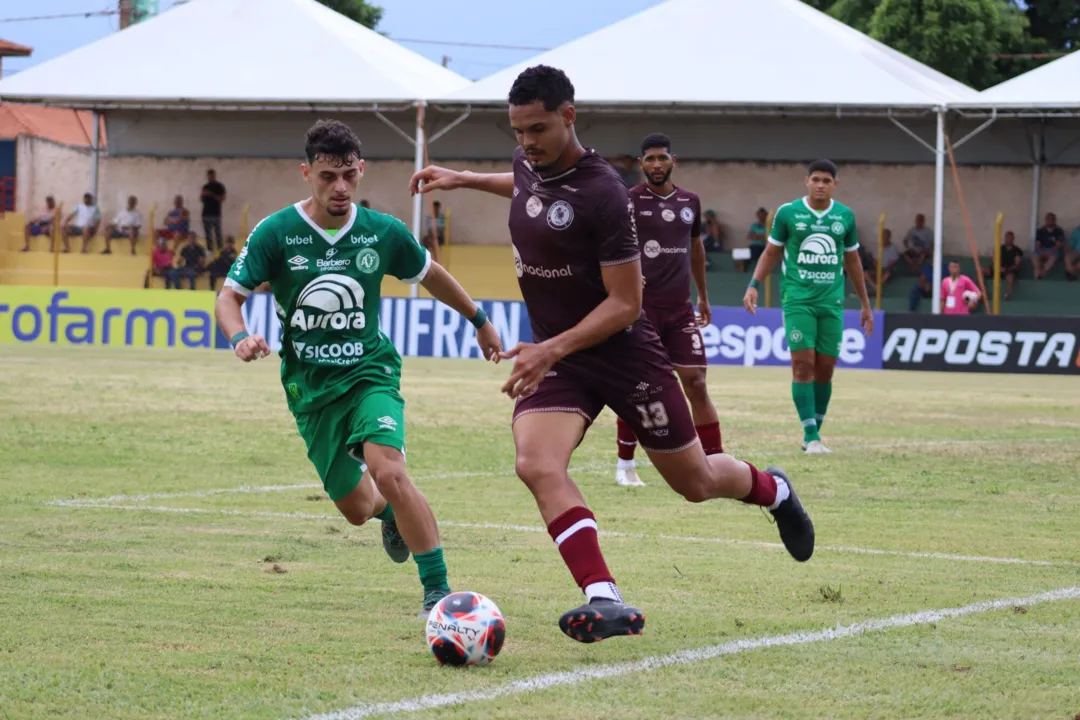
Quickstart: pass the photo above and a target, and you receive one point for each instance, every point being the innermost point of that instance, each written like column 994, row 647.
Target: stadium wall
column 734, row 189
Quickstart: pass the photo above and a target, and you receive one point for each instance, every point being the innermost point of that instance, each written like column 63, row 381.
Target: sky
column 495, row 22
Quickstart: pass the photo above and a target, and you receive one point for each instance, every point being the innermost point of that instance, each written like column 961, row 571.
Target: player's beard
column 663, row 181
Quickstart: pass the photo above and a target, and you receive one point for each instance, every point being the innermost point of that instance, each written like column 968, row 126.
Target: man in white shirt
column 83, row 221
column 126, row 224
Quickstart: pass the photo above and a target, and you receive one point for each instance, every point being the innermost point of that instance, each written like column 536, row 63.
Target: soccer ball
column 465, row 628
column 969, row 296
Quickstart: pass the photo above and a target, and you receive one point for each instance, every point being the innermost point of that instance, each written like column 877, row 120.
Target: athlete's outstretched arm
column 853, row 267
column 231, row 320
column 765, row 265
column 619, row 310
column 434, row 177
column 447, row 290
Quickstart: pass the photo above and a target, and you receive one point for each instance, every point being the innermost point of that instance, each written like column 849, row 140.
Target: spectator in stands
column 923, row 288
column 1072, row 255
column 1011, row 257
column 193, row 256
column 959, row 293
column 127, row 224
column 869, row 266
column 83, row 221
column 162, row 260
column 711, row 233
column 213, row 197
column 42, row 223
column 434, row 230
column 1049, row 244
column 756, row 235
column 177, row 222
column 219, row 267
column 918, row 244
column 627, row 167
column 890, row 256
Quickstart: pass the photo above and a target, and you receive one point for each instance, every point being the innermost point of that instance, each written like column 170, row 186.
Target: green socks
column 822, row 393
column 803, row 395
column 386, row 515
column 432, row 569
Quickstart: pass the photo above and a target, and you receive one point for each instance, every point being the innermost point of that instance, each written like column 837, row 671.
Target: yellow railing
column 153, row 241
column 768, row 278
column 880, row 257
column 997, row 262
column 56, row 230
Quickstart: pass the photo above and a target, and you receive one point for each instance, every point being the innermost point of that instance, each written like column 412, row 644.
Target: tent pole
column 418, row 199
column 96, row 119
column 939, row 211
column 1036, row 183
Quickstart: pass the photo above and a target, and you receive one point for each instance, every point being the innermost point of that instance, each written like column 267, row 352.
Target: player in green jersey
column 816, row 239
column 325, row 259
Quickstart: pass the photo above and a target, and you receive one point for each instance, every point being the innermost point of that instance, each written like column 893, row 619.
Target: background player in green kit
column 816, row 239
column 325, row 259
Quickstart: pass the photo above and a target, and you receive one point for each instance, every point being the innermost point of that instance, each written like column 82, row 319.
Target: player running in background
column 810, row 235
column 577, row 260
column 325, row 259
column 668, row 222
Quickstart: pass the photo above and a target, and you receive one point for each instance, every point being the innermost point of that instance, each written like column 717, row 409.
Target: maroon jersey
column 563, row 230
column 665, row 226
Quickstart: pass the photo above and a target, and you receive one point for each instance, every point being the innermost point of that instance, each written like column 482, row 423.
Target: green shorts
column 814, row 328
column 335, row 434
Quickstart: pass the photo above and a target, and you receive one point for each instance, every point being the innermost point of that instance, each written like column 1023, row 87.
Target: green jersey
column 814, row 244
column 326, row 286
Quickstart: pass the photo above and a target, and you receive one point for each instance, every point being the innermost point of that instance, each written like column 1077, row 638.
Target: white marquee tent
column 753, row 57
column 1051, row 87
column 1047, row 92
column 241, row 55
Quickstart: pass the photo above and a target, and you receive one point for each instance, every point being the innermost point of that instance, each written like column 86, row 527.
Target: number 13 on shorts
column 653, row 415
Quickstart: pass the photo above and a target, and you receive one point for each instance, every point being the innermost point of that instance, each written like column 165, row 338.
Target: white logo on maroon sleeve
column 533, row 206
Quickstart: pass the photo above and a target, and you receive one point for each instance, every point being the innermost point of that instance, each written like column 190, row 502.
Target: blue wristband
column 479, row 319
column 754, row 283
column 235, row 339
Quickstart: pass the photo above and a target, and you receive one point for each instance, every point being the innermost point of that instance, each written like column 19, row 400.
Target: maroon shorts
column 679, row 333
column 630, row 374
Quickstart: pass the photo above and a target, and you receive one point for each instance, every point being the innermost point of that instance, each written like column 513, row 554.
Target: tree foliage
column 964, row 38
column 361, row 11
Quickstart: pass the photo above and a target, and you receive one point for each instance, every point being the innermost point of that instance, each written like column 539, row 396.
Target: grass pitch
column 194, row 568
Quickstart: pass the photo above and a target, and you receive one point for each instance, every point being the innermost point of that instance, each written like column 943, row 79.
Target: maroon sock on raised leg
column 762, row 488
column 627, row 440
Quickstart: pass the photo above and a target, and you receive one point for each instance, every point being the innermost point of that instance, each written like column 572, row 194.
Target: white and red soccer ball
column 465, row 628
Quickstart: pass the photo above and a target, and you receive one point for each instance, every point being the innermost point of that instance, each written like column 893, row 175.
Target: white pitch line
column 86, row 505
column 685, row 657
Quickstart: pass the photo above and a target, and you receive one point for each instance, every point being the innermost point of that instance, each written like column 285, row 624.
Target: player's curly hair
column 822, row 165
column 544, row 83
column 332, row 141
column 655, row 140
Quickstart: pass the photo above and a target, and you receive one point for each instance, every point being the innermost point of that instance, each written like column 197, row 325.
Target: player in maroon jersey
column 668, row 222
column 578, row 265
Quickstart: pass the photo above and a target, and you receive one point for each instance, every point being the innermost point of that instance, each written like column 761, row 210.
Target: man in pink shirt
column 959, row 294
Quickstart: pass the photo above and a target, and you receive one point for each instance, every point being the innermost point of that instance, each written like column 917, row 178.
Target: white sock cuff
column 579, row 525
column 626, row 464
column 606, row 590
column 783, row 492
